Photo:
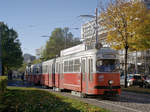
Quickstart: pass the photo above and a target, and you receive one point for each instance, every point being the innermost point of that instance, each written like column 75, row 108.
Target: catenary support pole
column 0, row 51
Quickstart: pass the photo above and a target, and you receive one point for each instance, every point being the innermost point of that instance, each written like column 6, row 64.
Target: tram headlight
column 110, row 82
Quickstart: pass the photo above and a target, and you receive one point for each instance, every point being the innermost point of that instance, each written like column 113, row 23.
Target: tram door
column 50, row 74
column 84, row 76
column 53, row 74
column 61, row 75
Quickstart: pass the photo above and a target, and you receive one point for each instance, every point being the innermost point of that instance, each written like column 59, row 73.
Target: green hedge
column 3, row 83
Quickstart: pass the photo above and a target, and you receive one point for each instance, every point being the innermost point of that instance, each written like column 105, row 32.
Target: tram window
column 46, row 68
column 33, row 70
column 59, row 69
column 66, row 66
column 106, row 65
column 36, row 70
column 77, row 65
column 90, row 69
column 43, row 69
column 71, row 66
column 56, row 67
column 91, row 65
column 40, row 69
column 83, row 69
column 50, row 71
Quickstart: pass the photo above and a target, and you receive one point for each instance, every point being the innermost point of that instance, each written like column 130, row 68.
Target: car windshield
column 137, row 77
column 105, row 65
column 130, row 77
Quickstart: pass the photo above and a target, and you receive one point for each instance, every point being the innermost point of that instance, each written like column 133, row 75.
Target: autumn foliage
column 127, row 23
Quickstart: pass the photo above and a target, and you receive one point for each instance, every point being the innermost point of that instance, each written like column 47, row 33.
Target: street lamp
column 45, row 36
column 90, row 16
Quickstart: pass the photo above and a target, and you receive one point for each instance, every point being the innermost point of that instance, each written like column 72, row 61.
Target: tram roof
column 72, row 50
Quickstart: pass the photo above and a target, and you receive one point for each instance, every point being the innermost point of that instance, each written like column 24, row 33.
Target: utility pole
column 145, row 62
column 0, row 51
column 66, row 40
column 97, row 44
column 96, row 28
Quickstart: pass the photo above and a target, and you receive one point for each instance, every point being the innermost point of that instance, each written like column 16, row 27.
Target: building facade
column 138, row 62
column 39, row 52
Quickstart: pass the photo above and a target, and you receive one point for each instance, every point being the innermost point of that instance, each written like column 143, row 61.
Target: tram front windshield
column 106, row 65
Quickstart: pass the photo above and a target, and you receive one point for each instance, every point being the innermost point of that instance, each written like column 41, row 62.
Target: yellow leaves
column 127, row 22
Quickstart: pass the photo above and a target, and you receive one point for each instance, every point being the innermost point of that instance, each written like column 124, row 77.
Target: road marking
column 117, row 105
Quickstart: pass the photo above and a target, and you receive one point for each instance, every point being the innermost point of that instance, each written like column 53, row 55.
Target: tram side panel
column 57, row 80
column 46, row 79
column 37, row 78
column 42, row 79
column 50, row 84
column 72, row 81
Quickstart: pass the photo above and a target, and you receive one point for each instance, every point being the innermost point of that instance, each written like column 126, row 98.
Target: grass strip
column 19, row 99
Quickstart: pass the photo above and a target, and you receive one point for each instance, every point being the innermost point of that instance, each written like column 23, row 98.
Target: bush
column 3, row 83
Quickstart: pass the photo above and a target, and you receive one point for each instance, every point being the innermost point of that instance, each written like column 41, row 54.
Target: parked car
column 129, row 80
column 138, row 80
column 147, row 82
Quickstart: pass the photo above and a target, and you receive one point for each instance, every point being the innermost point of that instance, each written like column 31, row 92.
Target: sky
column 34, row 18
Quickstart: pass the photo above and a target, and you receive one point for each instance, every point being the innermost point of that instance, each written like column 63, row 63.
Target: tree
column 22, row 68
column 60, row 39
column 36, row 61
column 128, row 26
column 11, row 50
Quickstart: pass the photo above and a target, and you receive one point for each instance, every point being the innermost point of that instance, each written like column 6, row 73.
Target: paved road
column 126, row 102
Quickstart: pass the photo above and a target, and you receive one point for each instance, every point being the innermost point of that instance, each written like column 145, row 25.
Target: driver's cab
column 106, row 60
column 106, row 65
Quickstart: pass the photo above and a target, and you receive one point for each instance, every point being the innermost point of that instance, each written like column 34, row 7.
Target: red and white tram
column 91, row 72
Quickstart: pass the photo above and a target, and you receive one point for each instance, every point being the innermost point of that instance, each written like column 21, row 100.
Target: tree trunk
column 126, row 60
column 3, row 70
